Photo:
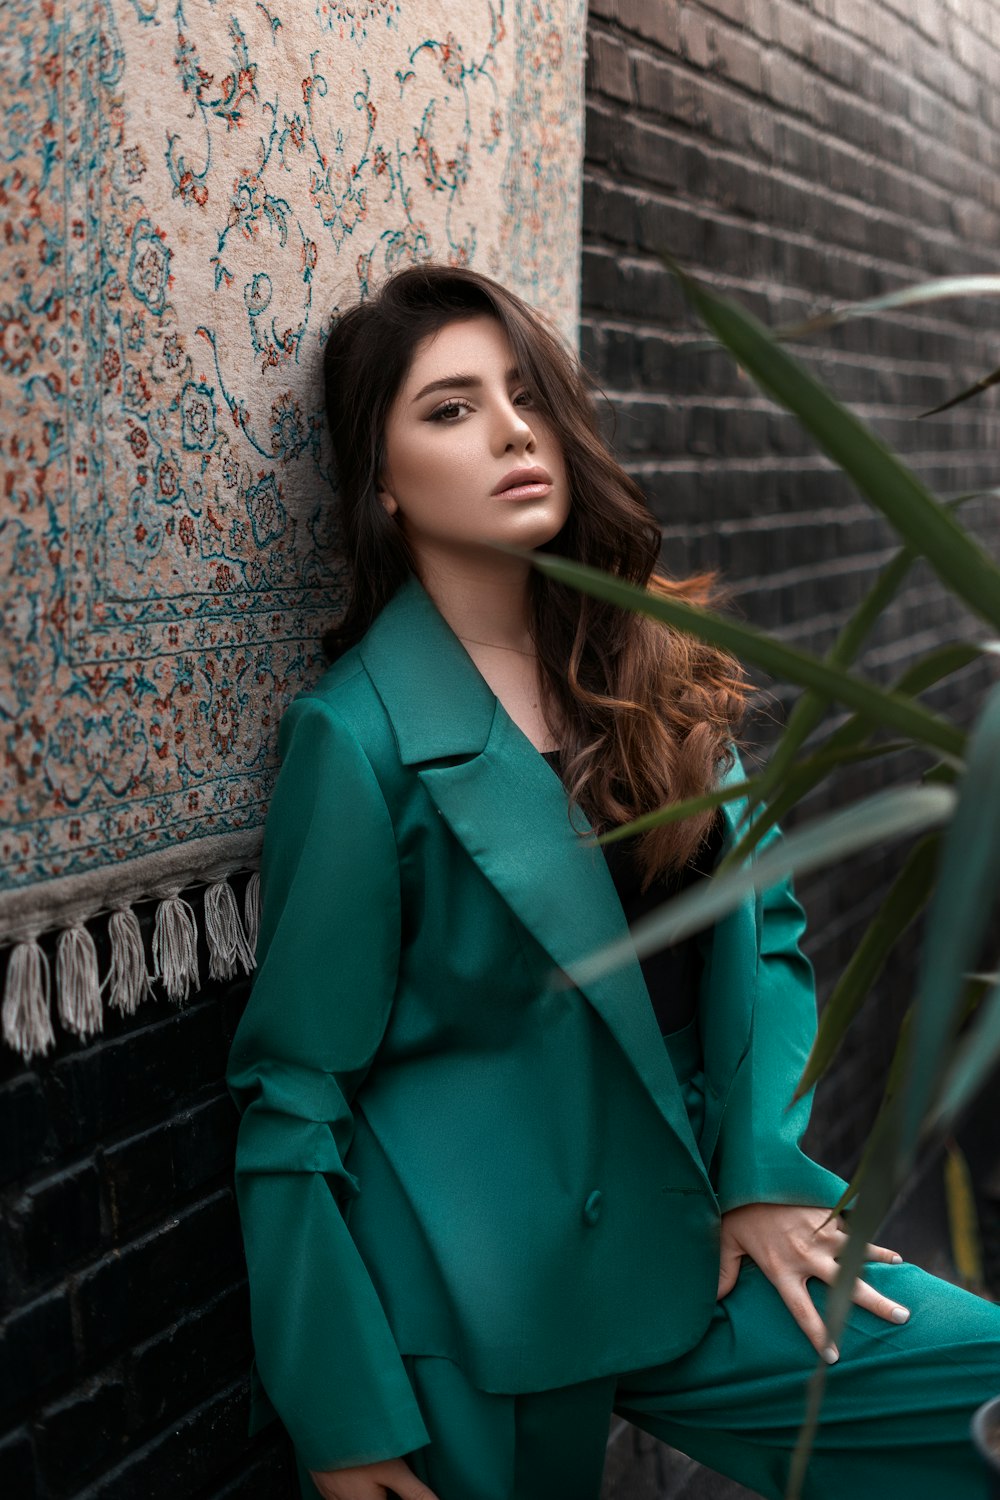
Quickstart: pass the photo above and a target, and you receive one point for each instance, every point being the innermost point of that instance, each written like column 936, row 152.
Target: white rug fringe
column 27, row 1025
column 127, row 974
column 77, row 981
column 26, row 1013
column 227, row 941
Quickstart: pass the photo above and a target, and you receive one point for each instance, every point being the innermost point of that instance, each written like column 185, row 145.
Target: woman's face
column 449, row 450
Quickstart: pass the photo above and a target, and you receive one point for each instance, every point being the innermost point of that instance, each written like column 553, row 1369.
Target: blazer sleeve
column 759, row 1156
column 327, row 957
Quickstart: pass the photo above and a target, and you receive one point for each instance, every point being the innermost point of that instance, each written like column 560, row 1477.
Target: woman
column 485, row 1205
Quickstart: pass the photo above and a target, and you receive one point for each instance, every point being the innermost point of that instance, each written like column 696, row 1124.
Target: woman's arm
column 774, row 1198
column 327, row 958
column 759, row 1158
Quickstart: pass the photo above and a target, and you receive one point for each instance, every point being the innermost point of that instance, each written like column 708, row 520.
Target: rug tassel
column 78, row 982
column 26, row 1018
column 251, row 912
column 127, row 974
column 175, row 947
column 227, row 941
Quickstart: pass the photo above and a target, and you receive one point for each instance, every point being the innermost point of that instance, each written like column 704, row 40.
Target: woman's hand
column 371, row 1482
column 789, row 1243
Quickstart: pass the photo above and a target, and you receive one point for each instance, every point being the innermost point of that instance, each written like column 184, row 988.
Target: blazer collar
column 439, row 702
column 508, row 808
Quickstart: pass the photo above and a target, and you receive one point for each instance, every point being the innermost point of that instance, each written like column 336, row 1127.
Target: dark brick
column 37, row 1349
column 18, row 1480
column 608, row 69
column 83, row 1434
column 204, row 1143
column 269, row 1475
column 138, row 1177
column 190, row 1359
column 157, row 1278
column 58, row 1221
column 24, row 1126
column 185, row 1457
column 136, row 1077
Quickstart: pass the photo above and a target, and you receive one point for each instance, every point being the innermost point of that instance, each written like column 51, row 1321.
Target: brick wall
column 124, row 1341
column 792, row 153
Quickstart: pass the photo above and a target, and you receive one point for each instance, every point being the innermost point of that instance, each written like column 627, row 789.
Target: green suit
column 447, row 1147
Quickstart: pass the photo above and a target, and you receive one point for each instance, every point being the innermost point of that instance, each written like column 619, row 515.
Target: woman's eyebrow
column 464, row 381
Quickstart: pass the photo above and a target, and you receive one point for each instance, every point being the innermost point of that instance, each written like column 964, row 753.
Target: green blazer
column 447, row 1145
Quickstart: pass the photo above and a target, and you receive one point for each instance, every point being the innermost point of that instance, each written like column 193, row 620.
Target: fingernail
column 900, row 1314
column 830, row 1354
column 897, row 1260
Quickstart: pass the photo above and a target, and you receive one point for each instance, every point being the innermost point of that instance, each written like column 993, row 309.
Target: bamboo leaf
column 892, row 488
column 907, row 897
column 936, row 290
column 887, row 708
column 811, row 707
column 795, row 783
column 963, row 1220
column 873, row 1188
column 975, row 1057
column 993, row 378
column 886, row 815
column 965, row 891
column 816, row 767
column 673, row 812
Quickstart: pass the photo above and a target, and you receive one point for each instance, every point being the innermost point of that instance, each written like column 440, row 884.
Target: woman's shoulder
column 345, row 694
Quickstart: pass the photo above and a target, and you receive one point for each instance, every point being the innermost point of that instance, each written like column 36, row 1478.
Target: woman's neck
column 482, row 599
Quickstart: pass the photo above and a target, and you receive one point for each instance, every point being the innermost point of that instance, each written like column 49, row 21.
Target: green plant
column 949, row 1039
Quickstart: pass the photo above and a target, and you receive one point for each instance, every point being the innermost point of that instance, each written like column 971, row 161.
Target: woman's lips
column 525, row 491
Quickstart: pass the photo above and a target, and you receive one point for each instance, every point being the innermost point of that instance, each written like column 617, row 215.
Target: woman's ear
column 387, row 500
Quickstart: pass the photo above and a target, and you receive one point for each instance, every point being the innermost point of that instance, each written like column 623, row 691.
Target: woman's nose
column 516, row 424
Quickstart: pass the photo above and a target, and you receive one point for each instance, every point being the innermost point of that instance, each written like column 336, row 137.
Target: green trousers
column 894, row 1423
column 895, row 1418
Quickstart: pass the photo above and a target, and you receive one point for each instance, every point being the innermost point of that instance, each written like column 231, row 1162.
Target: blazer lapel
column 508, row 808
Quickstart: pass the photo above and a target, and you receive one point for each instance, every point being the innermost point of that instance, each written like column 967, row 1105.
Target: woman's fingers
column 372, row 1482
column 880, row 1252
column 400, row 1480
column 730, row 1259
column 796, row 1298
column 883, row 1307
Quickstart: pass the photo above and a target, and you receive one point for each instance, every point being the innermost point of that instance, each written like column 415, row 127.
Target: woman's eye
column 453, row 406
column 447, row 406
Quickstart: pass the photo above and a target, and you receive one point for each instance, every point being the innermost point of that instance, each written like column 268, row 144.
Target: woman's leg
column 546, row 1445
column 896, row 1412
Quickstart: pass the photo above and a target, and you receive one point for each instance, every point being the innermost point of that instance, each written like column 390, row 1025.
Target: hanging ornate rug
column 190, row 190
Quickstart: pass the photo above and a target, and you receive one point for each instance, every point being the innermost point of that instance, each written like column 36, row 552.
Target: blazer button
column 592, row 1207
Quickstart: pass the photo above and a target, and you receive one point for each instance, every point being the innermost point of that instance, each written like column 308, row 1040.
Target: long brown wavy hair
column 645, row 714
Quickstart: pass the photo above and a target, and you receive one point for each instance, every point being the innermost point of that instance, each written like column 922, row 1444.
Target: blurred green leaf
column 815, row 767
column 921, row 521
column 889, row 814
column 964, row 895
column 810, row 708
column 937, row 289
column 840, row 749
column 774, row 656
column 907, row 897
column 963, row 1220
column 976, row 1055
column 673, row 812
column 973, row 390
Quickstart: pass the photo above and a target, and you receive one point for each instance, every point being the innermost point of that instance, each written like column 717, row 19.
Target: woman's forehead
column 476, row 335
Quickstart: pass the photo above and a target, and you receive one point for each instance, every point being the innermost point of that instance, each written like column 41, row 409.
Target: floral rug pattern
column 190, row 189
